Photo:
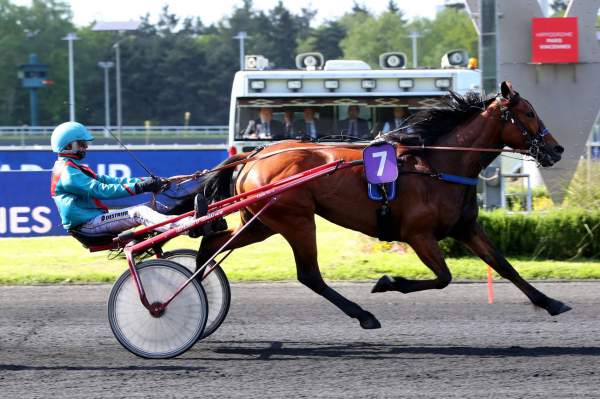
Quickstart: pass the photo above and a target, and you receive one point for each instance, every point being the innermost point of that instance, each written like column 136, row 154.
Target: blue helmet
column 68, row 132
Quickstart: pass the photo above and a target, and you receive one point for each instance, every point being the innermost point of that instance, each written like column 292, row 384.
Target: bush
column 557, row 234
column 584, row 189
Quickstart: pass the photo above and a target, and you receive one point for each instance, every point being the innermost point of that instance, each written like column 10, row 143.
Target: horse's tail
column 218, row 185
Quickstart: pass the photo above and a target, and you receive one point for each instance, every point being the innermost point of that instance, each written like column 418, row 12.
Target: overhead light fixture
column 392, row 60
column 310, row 61
column 406, row 84
column 294, row 85
column 258, row 85
column 255, row 62
column 368, row 84
column 455, row 58
column 443, row 83
column 332, row 84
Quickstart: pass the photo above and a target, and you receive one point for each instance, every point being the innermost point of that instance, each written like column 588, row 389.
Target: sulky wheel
column 215, row 285
column 168, row 334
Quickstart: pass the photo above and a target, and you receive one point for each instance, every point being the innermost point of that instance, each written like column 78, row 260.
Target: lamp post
column 414, row 36
column 118, row 87
column 241, row 36
column 118, row 27
column 106, row 65
column 70, row 38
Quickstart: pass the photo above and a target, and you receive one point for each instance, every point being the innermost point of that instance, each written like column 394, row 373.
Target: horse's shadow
column 294, row 350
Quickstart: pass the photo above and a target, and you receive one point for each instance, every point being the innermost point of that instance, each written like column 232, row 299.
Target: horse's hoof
column 384, row 284
column 369, row 322
column 557, row 307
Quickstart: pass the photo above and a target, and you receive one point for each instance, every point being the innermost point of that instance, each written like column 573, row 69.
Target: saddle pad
column 380, row 162
column 375, row 193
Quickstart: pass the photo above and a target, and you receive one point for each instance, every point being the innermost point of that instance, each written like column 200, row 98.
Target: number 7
column 383, row 156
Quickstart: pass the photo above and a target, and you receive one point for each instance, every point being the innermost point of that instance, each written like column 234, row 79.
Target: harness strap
column 467, row 181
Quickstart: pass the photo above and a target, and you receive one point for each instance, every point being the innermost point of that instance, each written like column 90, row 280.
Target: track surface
column 280, row 340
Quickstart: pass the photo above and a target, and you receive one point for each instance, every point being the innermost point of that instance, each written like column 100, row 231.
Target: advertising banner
column 26, row 208
column 554, row 40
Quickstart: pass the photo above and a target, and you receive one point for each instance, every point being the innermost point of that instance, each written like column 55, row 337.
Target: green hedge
column 556, row 234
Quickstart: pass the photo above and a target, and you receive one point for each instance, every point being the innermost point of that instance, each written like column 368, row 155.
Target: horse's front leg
column 476, row 239
column 431, row 255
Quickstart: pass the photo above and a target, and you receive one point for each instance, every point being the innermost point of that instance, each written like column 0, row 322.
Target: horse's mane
column 433, row 123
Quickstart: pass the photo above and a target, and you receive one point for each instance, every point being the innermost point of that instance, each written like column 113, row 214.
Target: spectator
column 288, row 124
column 353, row 125
column 399, row 118
column 310, row 126
column 265, row 127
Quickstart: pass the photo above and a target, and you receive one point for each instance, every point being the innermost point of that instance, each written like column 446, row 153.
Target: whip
column 130, row 153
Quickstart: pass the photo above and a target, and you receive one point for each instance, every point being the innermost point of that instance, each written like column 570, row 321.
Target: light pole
column 119, row 27
column 106, row 65
column 70, row 37
column 241, row 36
column 118, row 84
column 414, row 36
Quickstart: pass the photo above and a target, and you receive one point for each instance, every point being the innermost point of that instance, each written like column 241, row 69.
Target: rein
column 250, row 158
column 472, row 149
column 253, row 157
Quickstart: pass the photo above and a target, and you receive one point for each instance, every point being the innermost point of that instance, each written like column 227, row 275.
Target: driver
column 77, row 190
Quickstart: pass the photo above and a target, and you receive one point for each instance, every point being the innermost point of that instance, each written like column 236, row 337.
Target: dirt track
column 280, row 340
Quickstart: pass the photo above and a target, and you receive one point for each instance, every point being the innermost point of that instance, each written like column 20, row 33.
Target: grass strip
column 343, row 255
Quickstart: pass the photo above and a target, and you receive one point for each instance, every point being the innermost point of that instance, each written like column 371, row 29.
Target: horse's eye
column 530, row 114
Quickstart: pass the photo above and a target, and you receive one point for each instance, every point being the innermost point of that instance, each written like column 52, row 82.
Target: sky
column 86, row 11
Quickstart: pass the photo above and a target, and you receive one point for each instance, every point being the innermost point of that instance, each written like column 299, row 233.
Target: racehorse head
column 523, row 129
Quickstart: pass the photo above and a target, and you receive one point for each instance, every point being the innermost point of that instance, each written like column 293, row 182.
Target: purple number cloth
column 380, row 163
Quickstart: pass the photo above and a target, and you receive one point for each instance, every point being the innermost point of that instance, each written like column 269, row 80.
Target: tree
column 368, row 36
column 35, row 29
column 324, row 39
column 179, row 64
column 559, row 7
column 452, row 29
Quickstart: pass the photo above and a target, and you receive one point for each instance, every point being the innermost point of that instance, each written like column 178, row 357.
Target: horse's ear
column 506, row 89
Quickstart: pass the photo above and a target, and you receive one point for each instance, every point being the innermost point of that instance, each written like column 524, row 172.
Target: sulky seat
column 92, row 240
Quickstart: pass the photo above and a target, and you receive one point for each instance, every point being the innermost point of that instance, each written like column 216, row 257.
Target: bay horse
column 426, row 209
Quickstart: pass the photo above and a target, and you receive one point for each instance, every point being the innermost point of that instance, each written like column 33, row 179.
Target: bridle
column 535, row 141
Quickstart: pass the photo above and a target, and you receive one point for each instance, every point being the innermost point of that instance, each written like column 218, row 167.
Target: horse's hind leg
column 300, row 233
column 253, row 233
column 432, row 256
column 476, row 239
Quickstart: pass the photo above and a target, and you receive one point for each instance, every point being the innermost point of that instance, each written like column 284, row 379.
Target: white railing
column 26, row 135
column 46, row 130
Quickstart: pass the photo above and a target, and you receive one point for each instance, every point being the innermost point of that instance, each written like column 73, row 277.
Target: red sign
column 554, row 40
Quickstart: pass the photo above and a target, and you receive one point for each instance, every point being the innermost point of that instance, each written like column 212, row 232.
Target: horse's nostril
column 559, row 149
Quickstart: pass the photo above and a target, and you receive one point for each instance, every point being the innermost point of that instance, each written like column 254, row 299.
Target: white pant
column 117, row 221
